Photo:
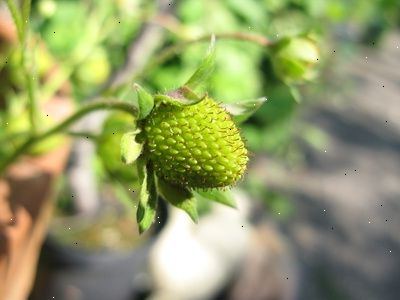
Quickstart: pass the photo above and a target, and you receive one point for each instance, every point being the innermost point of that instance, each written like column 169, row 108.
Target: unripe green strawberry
column 197, row 146
column 294, row 59
column 113, row 128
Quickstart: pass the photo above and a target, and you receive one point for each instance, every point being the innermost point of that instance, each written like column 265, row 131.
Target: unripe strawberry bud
column 197, row 146
column 293, row 59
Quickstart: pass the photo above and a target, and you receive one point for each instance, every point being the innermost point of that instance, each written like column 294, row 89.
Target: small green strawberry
column 294, row 59
column 114, row 127
column 195, row 146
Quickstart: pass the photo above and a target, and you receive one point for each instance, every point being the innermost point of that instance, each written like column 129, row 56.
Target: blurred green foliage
column 82, row 43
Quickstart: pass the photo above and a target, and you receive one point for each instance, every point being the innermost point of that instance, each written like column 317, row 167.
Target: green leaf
column 146, row 211
column 130, row 149
column 179, row 197
column 223, row 197
column 242, row 110
column 145, row 101
column 205, row 68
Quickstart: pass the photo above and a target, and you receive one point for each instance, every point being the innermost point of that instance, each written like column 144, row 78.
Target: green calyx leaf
column 243, row 110
column 205, row 68
column 181, row 97
column 145, row 101
column 222, row 197
column 147, row 206
column 130, row 149
column 179, row 197
column 294, row 91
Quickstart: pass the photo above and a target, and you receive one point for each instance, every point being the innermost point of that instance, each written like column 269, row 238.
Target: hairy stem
column 17, row 18
column 175, row 49
column 32, row 99
column 84, row 110
column 21, row 19
column 26, row 11
column 172, row 50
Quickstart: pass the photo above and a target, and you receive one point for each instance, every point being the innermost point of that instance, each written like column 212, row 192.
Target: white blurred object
column 194, row 261
column 269, row 271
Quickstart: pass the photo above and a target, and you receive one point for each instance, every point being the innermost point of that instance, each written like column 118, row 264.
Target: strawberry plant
column 182, row 145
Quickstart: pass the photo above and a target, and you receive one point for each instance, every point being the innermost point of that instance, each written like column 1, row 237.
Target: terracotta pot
column 8, row 33
column 26, row 191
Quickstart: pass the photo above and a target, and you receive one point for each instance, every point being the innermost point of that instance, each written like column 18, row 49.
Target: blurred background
column 318, row 210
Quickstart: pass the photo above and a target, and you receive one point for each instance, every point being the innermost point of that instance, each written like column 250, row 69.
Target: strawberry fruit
column 195, row 146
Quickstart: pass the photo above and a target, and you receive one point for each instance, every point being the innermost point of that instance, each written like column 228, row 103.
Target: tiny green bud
column 95, row 69
column 293, row 59
column 47, row 8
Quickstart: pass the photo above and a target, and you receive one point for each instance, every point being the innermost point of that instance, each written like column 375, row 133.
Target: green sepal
column 145, row 101
column 205, row 68
column 147, row 206
column 243, row 110
column 222, row 197
column 179, row 197
column 294, row 91
column 190, row 95
column 181, row 97
column 130, row 149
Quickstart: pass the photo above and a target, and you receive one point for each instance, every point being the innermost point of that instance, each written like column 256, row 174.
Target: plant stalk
column 172, row 50
column 21, row 20
column 84, row 110
column 17, row 19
